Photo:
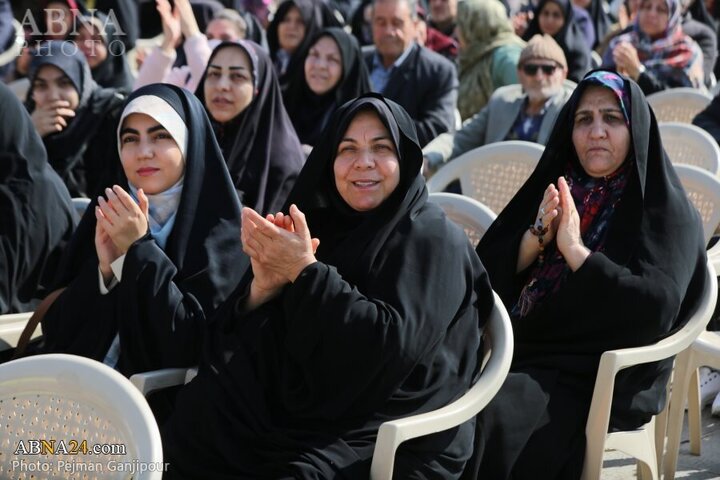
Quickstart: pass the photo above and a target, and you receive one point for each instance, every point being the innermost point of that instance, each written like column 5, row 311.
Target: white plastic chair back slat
column 80, row 205
column 474, row 217
column 12, row 326
column 703, row 189
column 74, row 399
column 690, row 145
column 491, row 174
column 496, row 368
column 678, row 104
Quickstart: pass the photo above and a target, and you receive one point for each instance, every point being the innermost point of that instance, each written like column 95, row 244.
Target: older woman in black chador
column 294, row 26
column 613, row 258
column 334, row 74
column 382, row 321
column 158, row 253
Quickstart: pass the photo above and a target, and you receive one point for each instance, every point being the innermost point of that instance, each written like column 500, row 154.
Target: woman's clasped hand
column 120, row 223
column 279, row 247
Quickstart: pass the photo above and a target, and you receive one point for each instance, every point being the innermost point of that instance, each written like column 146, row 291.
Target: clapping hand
column 261, row 237
column 626, row 60
column 284, row 250
column 123, row 220
column 569, row 240
column 548, row 212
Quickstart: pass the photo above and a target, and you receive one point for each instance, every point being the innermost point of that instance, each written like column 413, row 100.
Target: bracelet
column 539, row 233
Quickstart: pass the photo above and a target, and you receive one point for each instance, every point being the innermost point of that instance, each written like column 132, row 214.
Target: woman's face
column 551, row 19
column 323, row 66
column 366, row 166
column 150, row 156
column 291, row 30
column 229, row 87
column 600, row 135
column 50, row 85
column 91, row 44
column 222, row 29
column 653, row 17
column 58, row 20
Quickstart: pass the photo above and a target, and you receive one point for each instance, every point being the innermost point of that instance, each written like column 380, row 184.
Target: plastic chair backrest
column 80, row 205
column 474, row 217
column 11, row 327
column 81, row 405
column 491, row 174
column 703, row 190
column 678, row 104
column 690, row 145
column 499, row 337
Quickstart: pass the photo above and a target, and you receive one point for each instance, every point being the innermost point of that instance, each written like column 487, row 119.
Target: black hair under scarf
column 639, row 289
column 260, row 146
column 159, row 308
column 81, row 160
column 36, row 214
column 298, row 387
column 310, row 112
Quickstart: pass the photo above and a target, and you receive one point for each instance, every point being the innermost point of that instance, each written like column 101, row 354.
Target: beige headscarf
column 484, row 26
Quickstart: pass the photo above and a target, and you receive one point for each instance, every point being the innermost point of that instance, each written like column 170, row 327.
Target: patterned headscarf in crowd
column 673, row 56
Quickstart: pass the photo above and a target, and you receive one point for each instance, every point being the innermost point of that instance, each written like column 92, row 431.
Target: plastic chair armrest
column 149, row 382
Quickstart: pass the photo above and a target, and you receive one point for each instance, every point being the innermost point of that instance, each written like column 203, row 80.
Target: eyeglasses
column 531, row 69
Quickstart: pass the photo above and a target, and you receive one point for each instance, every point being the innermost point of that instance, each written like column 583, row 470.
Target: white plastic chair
column 496, row 368
column 491, row 174
column 12, row 326
column 646, row 443
column 474, row 217
column 703, row 189
column 84, row 404
column 690, row 145
column 678, row 104
column 80, row 204
column 705, row 350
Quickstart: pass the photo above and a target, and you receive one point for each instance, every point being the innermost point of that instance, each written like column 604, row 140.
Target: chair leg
column 694, row 413
column 681, row 380
column 661, row 421
column 645, row 472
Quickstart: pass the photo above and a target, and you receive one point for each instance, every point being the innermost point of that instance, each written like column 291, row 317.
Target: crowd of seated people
column 258, row 208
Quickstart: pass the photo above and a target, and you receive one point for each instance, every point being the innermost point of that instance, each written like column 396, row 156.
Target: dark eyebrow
column 155, row 128
column 129, row 130
column 135, row 132
column 602, row 110
column 231, row 68
column 374, row 139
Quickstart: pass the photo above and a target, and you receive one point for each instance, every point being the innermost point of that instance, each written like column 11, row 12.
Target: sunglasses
column 531, row 69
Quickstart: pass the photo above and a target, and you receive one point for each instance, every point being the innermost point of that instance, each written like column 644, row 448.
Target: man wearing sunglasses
column 525, row 111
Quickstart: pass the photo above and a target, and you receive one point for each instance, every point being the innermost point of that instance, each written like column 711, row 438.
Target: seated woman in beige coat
column 524, row 111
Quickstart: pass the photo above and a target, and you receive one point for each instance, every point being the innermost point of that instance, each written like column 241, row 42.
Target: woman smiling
column 334, row 74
